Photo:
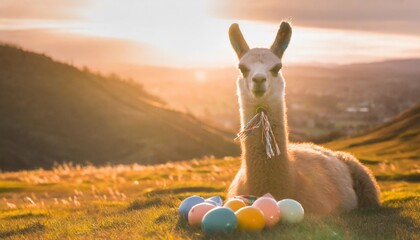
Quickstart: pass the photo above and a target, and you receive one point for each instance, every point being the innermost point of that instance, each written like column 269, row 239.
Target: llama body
column 322, row 180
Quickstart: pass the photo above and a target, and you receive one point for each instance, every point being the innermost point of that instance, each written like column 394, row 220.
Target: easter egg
column 248, row 199
column 219, row 220
column 235, row 204
column 250, row 219
column 268, row 195
column 291, row 211
column 196, row 214
column 270, row 210
column 187, row 204
column 216, row 199
column 211, row 202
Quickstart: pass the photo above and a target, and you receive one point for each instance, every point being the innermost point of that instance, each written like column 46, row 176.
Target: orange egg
column 235, row 204
column 250, row 219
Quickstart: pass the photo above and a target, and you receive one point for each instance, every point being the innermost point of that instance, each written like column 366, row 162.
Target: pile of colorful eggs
column 244, row 213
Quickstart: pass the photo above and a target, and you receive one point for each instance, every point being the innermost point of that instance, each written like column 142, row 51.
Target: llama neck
column 276, row 112
column 267, row 174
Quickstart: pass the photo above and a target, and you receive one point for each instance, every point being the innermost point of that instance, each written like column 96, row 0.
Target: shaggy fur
column 323, row 181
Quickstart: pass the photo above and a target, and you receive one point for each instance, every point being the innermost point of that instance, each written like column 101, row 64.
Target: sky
column 104, row 34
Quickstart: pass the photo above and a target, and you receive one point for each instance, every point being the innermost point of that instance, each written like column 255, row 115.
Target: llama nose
column 258, row 79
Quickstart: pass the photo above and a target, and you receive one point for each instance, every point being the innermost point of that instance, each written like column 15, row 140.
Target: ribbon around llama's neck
column 260, row 119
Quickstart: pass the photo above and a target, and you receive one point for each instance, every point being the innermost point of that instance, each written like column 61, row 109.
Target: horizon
column 97, row 34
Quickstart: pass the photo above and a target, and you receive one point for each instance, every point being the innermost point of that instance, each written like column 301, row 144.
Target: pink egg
column 196, row 214
column 269, row 195
column 270, row 209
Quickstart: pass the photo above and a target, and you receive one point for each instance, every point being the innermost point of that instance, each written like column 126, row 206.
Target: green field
column 140, row 202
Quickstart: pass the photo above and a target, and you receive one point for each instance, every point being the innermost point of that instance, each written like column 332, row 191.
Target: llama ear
column 282, row 39
column 237, row 40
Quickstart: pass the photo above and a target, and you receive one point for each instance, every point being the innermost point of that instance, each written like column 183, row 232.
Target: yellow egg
column 250, row 219
column 235, row 204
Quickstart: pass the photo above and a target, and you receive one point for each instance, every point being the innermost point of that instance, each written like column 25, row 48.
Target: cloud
column 45, row 9
column 389, row 16
column 99, row 53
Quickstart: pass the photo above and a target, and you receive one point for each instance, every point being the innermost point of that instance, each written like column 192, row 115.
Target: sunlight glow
column 200, row 76
column 184, row 33
column 180, row 30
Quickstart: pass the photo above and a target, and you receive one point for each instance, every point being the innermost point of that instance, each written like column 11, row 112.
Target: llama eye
column 275, row 70
column 244, row 70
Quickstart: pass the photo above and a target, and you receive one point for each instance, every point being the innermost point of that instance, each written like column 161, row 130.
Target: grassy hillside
column 397, row 139
column 140, row 202
column 53, row 112
column 394, row 146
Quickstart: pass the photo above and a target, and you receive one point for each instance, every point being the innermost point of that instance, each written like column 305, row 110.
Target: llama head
column 261, row 77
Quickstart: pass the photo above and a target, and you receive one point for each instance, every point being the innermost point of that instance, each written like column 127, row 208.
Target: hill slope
column 54, row 112
column 398, row 139
column 391, row 150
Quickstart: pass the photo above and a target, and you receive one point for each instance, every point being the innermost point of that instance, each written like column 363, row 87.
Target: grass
column 394, row 142
column 140, row 202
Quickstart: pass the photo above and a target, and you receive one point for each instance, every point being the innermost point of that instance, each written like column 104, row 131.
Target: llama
column 323, row 181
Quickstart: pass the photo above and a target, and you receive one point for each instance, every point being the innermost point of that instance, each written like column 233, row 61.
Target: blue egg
column 219, row 220
column 187, row 204
column 217, row 199
column 212, row 202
